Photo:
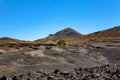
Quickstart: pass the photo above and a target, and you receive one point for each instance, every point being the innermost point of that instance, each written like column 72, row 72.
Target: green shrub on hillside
column 62, row 43
column 84, row 67
column 82, row 44
column 53, row 59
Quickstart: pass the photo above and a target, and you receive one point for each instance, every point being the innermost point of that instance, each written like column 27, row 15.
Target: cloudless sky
column 35, row 19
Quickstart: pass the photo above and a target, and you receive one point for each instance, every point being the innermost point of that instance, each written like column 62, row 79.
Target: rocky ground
column 107, row 72
column 53, row 63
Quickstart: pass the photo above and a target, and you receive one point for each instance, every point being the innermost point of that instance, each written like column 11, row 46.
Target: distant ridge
column 71, row 35
column 8, row 40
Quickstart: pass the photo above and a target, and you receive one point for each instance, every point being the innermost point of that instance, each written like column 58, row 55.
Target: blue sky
column 34, row 19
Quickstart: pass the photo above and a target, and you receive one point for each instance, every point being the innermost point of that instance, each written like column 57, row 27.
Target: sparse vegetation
column 57, row 49
column 50, row 42
column 6, row 69
column 37, row 53
column 53, row 59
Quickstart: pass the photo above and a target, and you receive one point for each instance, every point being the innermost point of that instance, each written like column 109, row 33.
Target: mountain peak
column 67, row 28
column 67, row 32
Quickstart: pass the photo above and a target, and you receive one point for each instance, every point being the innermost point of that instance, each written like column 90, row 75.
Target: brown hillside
column 113, row 32
column 109, row 35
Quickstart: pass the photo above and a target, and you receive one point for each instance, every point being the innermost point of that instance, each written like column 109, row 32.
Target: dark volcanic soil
column 48, row 59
